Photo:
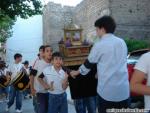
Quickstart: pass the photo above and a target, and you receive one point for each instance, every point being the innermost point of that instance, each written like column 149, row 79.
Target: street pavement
column 27, row 107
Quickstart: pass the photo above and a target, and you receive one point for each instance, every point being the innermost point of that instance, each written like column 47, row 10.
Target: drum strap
column 35, row 63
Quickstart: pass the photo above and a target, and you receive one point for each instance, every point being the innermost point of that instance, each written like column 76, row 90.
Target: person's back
column 110, row 55
column 112, row 68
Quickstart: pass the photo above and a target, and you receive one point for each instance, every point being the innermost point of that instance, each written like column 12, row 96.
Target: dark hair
column 107, row 22
column 26, row 62
column 57, row 54
column 17, row 55
column 42, row 47
column 46, row 46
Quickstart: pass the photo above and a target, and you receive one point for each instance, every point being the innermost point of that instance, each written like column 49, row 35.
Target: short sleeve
column 41, row 75
column 33, row 72
column 142, row 64
column 95, row 53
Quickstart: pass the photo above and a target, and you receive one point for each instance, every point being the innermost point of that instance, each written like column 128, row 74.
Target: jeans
column 104, row 105
column 42, row 102
column 4, row 90
column 35, row 104
column 58, row 103
column 26, row 92
column 88, row 103
column 12, row 94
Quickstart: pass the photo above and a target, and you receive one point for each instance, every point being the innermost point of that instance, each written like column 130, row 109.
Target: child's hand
column 51, row 86
column 74, row 73
column 47, row 87
column 33, row 91
column 8, row 78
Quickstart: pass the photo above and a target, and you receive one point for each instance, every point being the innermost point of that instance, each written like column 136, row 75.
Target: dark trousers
column 35, row 104
column 104, row 106
column 42, row 100
column 88, row 103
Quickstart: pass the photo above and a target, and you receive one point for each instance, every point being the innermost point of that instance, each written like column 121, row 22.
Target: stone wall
column 132, row 18
column 87, row 12
column 55, row 17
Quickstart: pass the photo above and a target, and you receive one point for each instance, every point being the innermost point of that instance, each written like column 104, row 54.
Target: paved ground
column 28, row 107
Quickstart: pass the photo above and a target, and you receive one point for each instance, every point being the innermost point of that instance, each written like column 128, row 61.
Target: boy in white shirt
column 33, row 91
column 56, row 84
column 40, row 92
column 15, row 68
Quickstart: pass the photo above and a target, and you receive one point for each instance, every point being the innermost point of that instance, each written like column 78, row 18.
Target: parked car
column 137, row 100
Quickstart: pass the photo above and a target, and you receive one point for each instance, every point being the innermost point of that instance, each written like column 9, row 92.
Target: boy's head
column 57, row 59
column 18, row 57
column 105, row 24
column 47, row 51
column 26, row 63
column 41, row 51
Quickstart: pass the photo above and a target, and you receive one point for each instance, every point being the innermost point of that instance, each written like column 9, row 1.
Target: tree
column 5, row 28
column 22, row 8
column 10, row 9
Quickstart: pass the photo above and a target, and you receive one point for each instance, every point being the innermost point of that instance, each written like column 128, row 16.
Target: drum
column 3, row 80
column 21, row 81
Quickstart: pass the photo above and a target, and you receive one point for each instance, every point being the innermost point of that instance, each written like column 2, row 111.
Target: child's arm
column 32, row 77
column 65, row 82
column 8, row 78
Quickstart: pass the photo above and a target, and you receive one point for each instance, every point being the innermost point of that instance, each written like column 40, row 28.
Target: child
column 56, row 84
column 15, row 68
column 4, row 75
column 41, row 98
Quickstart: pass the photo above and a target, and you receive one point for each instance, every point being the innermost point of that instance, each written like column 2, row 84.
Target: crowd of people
column 100, row 82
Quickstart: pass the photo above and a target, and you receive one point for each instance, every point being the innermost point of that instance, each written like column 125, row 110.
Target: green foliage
column 5, row 28
column 135, row 44
column 22, row 8
column 10, row 9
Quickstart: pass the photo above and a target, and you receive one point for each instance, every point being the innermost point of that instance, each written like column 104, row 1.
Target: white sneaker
column 18, row 111
column 7, row 109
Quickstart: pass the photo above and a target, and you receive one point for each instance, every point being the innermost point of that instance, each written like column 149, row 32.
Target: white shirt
column 144, row 66
column 110, row 55
column 57, row 77
column 40, row 66
column 2, row 72
column 15, row 69
column 26, row 70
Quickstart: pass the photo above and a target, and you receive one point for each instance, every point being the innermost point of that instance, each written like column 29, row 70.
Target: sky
column 26, row 39
column 64, row 2
column 27, row 35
